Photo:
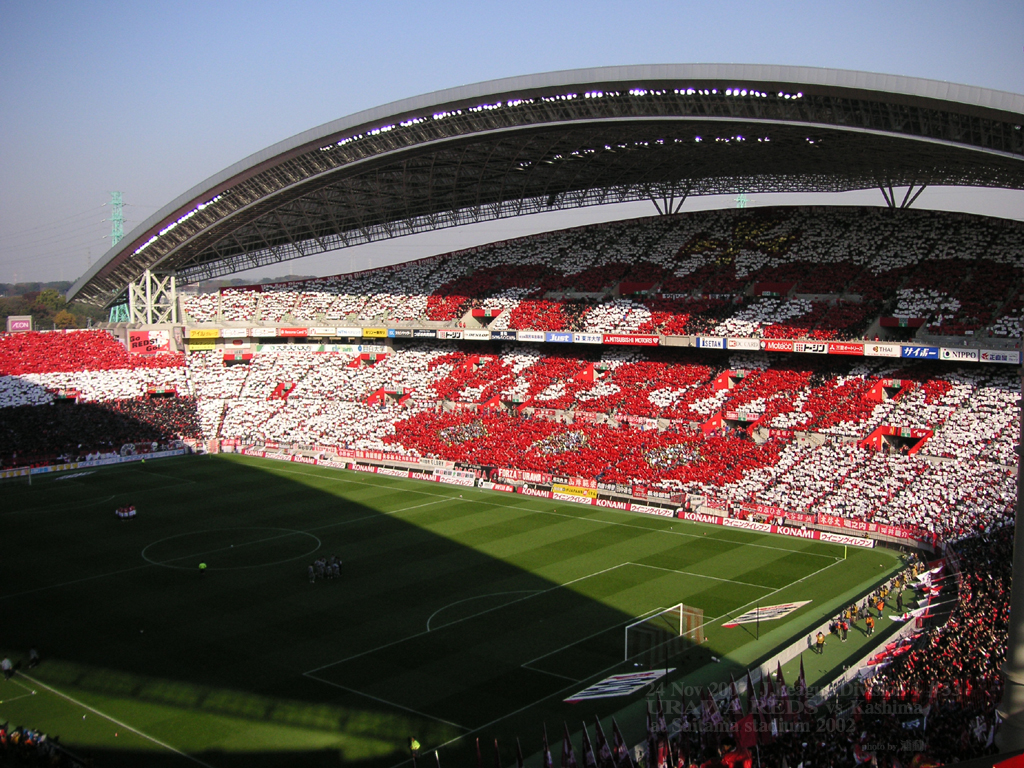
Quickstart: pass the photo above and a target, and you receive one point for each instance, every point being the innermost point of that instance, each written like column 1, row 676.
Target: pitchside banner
column 711, row 342
column 1000, row 356
column 631, row 338
column 959, row 355
column 811, row 347
column 783, row 530
column 752, row 345
column 922, row 353
column 882, row 350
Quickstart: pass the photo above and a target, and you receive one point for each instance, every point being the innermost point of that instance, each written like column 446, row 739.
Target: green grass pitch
column 460, row 613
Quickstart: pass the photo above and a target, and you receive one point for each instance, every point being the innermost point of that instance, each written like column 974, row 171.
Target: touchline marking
column 75, row 581
column 580, row 640
column 385, row 701
column 739, row 610
column 459, row 621
column 701, row 575
column 23, row 696
column 520, row 508
column 477, row 597
column 146, row 736
column 60, row 507
column 549, row 672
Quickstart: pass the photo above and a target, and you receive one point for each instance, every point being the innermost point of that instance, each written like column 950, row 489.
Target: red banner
column 762, row 509
column 149, row 342
column 845, row 348
column 630, row 338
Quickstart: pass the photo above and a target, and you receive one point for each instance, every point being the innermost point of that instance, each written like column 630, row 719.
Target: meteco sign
column 776, row 345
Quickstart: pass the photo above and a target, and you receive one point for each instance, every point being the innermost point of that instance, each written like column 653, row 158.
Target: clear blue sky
column 150, row 98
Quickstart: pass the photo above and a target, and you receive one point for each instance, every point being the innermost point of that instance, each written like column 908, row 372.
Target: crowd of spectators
column 825, row 275
column 672, row 420
column 66, row 431
column 22, row 747
column 950, row 677
column 74, row 351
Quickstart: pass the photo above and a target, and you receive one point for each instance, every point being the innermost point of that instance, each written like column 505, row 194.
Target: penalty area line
column 117, row 722
column 384, row 701
column 464, row 618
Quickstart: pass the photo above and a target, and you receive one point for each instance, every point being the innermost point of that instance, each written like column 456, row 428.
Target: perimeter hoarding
column 19, row 323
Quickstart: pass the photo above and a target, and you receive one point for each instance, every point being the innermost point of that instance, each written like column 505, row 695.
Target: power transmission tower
column 116, row 218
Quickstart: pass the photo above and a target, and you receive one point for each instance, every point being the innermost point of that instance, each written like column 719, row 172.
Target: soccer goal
column 664, row 634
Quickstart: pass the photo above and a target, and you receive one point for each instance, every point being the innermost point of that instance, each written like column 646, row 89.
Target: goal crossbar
column 665, row 632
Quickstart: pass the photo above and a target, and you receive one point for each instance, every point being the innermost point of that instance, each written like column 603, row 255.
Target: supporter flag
column 746, row 731
column 662, row 725
column 568, row 753
column 716, row 716
column 766, row 715
column 519, row 754
column 589, row 759
column 752, row 702
column 548, row 762
column 784, row 705
column 710, row 717
column 664, row 756
column 735, row 705
column 621, row 754
column 652, row 741
column 604, row 752
column 771, row 702
column 801, row 686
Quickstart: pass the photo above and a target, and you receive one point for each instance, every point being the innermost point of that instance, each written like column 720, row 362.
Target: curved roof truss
column 566, row 140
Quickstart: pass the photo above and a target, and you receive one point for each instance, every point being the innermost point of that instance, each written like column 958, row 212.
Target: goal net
column 664, row 634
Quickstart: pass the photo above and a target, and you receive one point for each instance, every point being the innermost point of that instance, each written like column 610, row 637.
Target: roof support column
column 908, row 199
column 669, row 204
column 153, row 299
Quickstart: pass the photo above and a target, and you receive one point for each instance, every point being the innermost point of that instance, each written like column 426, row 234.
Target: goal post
column 664, row 634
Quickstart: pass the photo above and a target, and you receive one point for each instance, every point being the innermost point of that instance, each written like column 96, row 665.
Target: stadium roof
column 571, row 139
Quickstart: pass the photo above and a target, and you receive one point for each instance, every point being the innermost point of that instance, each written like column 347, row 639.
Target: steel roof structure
column 571, row 139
